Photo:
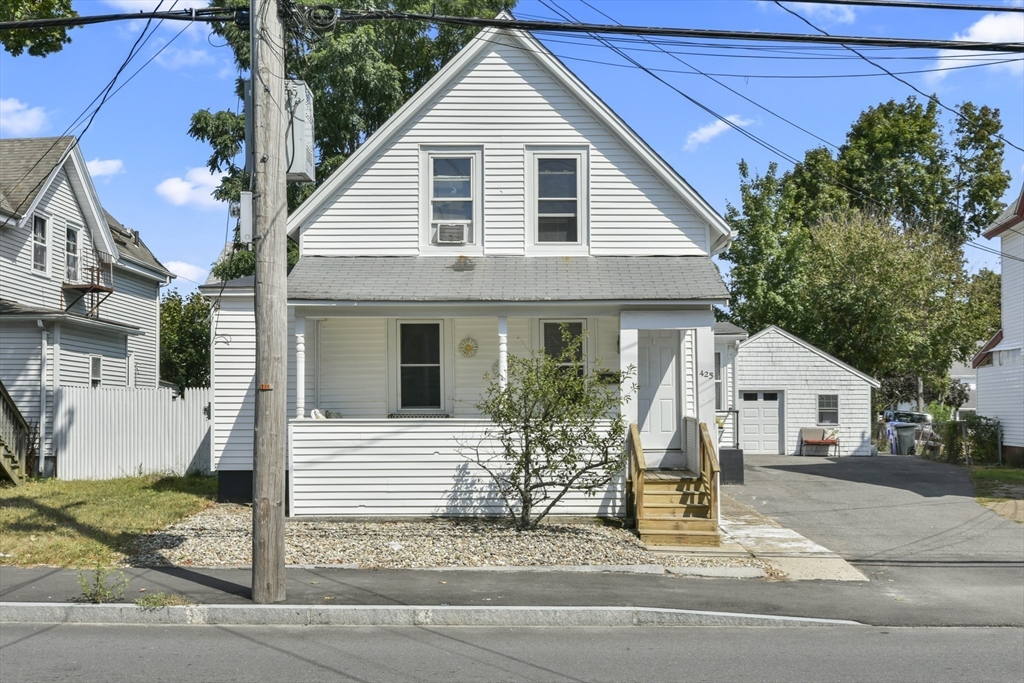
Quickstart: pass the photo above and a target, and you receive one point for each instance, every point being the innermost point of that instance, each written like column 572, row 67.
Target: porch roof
column 506, row 278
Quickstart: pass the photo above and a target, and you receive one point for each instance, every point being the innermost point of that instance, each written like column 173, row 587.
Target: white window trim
column 582, row 246
column 92, row 378
column 720, row 397
column 49, row 244
column 447, row 367
column 129, row 377
column 78, row 232
column 427, row 155
column 818, row 408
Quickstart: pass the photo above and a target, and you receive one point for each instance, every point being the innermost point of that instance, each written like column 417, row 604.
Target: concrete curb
column 388, row 615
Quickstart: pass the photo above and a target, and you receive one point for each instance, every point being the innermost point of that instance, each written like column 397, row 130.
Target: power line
column 324, row 18
column 933, row 98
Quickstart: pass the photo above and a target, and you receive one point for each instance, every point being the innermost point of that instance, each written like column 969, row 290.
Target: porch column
column 300, row 367
column 502, row 351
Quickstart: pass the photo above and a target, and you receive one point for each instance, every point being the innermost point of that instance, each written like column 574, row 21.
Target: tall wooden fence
column 107, row 433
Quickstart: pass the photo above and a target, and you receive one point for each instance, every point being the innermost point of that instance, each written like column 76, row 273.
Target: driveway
column 882, row 510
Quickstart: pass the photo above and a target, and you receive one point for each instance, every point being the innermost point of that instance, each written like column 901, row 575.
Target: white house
column 1000, row 363
column 503, row 199
column 79, row 292
column 774, row 384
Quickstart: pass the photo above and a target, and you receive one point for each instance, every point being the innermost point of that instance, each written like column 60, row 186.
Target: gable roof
column 505, row 278
column 979, row 357
column 131, row 247
column 564, row 77
column 773, row 329
column 1011, row 216
column 29, row 167
column 724, row 327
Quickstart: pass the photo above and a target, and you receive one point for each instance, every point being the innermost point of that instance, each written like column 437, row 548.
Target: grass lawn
column 85, row 523
column 998, row 482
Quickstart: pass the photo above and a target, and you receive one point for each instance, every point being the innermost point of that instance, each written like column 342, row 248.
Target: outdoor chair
column 818, row 436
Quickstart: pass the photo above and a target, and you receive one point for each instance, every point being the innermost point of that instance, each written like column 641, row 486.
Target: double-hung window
column 95, row 371
column 558, row 200
column 555, row 344
column 419, row 366
column 40, row 244
column 451, row 199
column 72, row 265
column 719, row 404
column 828, row 409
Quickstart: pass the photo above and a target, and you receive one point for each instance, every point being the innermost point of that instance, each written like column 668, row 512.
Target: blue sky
column 152, row 176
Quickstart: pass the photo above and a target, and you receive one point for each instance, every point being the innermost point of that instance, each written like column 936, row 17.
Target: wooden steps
column 675, row 507
column 14, row 439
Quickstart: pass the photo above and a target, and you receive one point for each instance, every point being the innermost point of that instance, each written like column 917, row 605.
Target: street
column 113, row 654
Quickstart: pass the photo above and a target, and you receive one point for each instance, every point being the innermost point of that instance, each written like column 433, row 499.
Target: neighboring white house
column 502, row 200
column 79, row 292
column 774, row 384
column 1000, row 363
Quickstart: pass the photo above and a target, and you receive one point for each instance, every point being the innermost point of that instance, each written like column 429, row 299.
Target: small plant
column 160, row 599
column 98, row 591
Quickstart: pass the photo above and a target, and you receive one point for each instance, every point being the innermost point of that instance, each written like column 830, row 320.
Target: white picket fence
column 108, row 433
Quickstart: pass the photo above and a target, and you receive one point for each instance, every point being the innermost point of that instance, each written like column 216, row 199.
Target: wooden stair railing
column 637, row 466
column 14, row 439
column 709, row 470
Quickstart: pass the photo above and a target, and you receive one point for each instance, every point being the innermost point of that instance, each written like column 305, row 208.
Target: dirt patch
column 1011, row 509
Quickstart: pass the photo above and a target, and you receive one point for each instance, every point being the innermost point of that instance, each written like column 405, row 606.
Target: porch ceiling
column 506, row 279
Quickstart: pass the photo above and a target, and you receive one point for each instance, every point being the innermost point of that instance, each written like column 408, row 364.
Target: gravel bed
column 222, row 536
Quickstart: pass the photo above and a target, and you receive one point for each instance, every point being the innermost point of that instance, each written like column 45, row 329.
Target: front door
column 658, row 395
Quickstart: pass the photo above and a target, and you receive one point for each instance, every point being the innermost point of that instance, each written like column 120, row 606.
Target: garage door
column 760, row 421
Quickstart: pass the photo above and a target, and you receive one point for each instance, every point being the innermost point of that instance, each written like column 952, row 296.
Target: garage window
column 750, row 396
column 828, row 409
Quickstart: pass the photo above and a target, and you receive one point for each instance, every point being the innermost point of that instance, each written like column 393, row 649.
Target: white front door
column 760, row 420
column 658, row 395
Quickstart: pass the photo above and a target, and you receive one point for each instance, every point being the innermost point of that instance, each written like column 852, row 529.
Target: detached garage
column 783, row 384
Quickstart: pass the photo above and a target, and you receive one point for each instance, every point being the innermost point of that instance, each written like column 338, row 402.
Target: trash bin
column 901, row 437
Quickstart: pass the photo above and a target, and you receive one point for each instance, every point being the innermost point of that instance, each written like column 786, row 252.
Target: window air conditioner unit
column 451, row 233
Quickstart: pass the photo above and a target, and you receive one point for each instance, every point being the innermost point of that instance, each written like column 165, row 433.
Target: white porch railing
column 407, row 467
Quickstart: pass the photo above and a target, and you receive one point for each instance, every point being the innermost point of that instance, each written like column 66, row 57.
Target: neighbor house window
column 718, row 381
column 554, row 344
column 72, row 267
column 558, row 206
column 419, row 366
column 40, row 244
column 451, row 199
column 828, row 409
column 95, row 370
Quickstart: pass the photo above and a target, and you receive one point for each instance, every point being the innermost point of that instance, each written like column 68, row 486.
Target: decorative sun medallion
column 468, row 347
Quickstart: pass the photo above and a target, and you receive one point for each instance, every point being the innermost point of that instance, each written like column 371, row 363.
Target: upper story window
column 72, row 262
column 558, row 207
column 452, row 199
column 40, row 244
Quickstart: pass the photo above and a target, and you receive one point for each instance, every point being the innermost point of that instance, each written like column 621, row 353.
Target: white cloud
column 830, row 14
column 16, row 118
column 713, row 130
column 194, row 189
column 187, row 271
column 173, row 58
column 105, row 167
column 991, row 28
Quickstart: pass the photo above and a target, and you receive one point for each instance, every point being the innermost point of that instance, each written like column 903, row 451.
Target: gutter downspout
column 41, row 452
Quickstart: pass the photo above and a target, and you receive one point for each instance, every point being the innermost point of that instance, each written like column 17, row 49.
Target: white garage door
column 760, row 420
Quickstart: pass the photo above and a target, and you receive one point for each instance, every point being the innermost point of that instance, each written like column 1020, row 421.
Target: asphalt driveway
column 885, row 510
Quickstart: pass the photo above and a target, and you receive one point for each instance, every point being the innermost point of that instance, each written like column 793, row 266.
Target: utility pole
column 270, row 212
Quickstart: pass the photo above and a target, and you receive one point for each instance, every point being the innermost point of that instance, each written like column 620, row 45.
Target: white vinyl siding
column 505, row 102
column 233, row 353
column 20, row 346
column 79, row 345
column 774, row 363
column 353, row 361
column 405, row 467
column 136, row 301
column 1012, row 245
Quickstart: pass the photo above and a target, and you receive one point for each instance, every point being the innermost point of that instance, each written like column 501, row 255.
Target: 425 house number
column 706, row 373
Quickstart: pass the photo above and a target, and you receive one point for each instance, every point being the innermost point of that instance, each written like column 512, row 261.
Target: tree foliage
column 360, row 74
column 185, row 340
column 558, row 427
column 38, row 41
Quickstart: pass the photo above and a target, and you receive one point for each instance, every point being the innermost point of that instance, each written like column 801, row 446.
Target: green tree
column 38, row 41
column 185, row 340
column 558, row 428
column 984, row 293
column 360, row 74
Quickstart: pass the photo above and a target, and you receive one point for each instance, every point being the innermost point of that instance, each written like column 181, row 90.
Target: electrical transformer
column 299, row 144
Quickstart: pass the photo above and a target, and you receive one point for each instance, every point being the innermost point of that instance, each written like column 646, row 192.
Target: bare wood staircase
column 14, row 440
column 675, row 507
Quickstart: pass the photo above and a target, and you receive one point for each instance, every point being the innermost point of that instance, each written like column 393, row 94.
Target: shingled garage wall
column 776, row 362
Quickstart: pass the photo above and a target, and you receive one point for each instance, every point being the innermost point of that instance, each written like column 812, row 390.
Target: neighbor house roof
column 1011, row 216
column 773, row 329
column 506, row 278
column 720, row 232
column 11, row 310
column 724, row 327
column 131, row 246
column 27, row 163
